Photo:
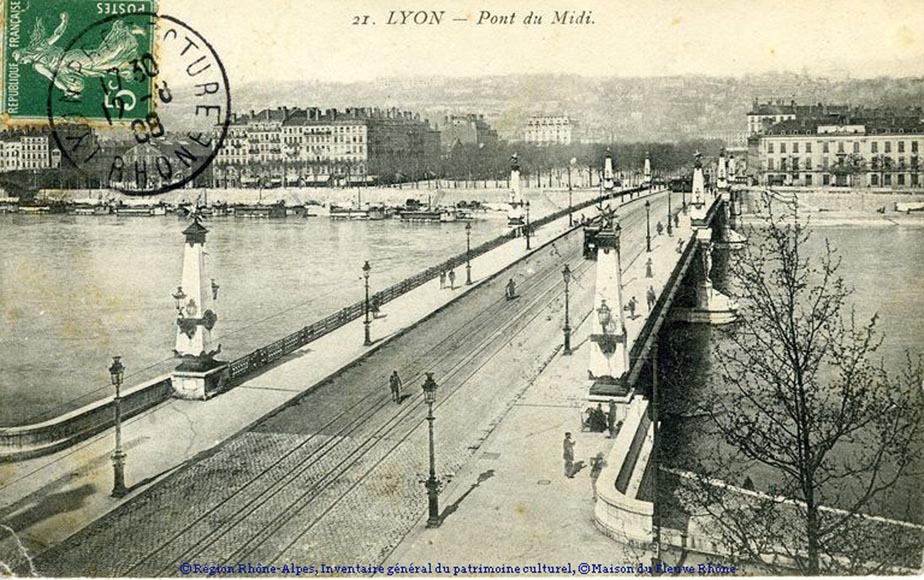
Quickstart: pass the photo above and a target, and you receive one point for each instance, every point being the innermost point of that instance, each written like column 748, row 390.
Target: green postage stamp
column 90, row 58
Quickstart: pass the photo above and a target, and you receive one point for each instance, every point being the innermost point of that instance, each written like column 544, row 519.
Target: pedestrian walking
column 631, row 306
column 648, row 273
column 676, row 220
column 452, row 279
column 659, row 227
column 394, row 381
column 568, row 454
column 652, row 297
column 442, row 279
column 679, row 246
column 511, row 290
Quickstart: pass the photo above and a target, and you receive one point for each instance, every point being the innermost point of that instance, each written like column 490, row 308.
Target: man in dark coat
column 568, row 454
column 394, row 381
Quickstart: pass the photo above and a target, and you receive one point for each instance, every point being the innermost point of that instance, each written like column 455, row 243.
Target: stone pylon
column 728, row 236
column 516, row 197
column 608, row 183
column 609, row 355
column 515, row 213
column 712, row 306
column 699, row 182
column 734, row 217
column 647, row 169
column 198, row 374
column 721, row 173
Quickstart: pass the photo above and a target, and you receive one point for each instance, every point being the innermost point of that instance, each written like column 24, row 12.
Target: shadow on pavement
column 451, row 509
column 49, row 506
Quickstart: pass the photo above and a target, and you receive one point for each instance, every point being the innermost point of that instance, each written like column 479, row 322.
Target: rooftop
column 302, row 116
column 850, row 124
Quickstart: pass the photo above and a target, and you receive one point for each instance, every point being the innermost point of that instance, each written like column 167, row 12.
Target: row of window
column 325, row 129
column 888, row 179
column 887, row 163
column 545, row 122
column 825, row 146
column 325, row 139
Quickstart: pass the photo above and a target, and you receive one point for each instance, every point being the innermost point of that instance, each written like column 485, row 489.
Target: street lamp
column 527, row 225
column 178, row 297
column 570, row 204
column 468, row 253
column 647, row 225
column 566, row 274
column 432, row 483
column 604, row 317
column 367, row 322
column 117, row 373
column 670, row 228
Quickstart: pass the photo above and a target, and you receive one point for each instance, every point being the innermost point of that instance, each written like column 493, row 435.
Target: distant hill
column 622, row 109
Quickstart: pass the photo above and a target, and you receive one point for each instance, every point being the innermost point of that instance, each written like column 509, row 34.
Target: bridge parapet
column 621, row 515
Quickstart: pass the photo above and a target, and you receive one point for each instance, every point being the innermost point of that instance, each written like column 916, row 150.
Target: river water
column 883, row 263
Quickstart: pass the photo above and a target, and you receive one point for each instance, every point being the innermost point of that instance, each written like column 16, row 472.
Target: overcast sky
column 270, row 40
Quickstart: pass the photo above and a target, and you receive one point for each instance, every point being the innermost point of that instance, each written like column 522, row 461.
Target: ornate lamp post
column 432, row 483
column 367, row 322
column 647, row 225
column 116, row 373
column 468, row 253
column 570, row 192
column 670, row 228
column 179, row 297
column 566, row 274
column 527, row 225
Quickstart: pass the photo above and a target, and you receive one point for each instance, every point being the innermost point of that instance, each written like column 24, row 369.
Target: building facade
column 466, row 130
column 550, row 130
column 857, row 152
column 28, row 151
column 283, row 146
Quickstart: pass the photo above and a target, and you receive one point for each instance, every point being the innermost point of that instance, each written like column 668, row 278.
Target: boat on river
column 276, row 210
column 348, row 213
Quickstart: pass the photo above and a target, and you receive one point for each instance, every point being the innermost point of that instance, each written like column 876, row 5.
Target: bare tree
column 803, row 401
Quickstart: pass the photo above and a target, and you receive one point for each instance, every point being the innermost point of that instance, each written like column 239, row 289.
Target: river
column 883, row 263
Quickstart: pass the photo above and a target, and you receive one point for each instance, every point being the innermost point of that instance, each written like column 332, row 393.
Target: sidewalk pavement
column 512, row 504
column 49, row 498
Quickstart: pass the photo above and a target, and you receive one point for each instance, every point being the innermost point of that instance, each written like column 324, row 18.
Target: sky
column 284, row 40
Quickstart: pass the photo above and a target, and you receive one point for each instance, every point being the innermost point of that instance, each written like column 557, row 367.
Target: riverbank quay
column 825, row 207
column 544, row 199
column 52, row 497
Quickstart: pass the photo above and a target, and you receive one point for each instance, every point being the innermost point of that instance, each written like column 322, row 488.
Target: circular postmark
column 140, row 103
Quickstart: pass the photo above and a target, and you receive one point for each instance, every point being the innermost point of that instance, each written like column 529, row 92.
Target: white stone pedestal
column 199, row 385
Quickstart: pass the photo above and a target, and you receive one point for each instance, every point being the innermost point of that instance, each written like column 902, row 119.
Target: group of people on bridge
column 599, row 421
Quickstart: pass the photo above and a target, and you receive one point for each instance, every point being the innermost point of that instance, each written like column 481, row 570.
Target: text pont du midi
column 488, row 18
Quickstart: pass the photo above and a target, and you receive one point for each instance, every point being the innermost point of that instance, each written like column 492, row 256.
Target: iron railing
column 274, row 351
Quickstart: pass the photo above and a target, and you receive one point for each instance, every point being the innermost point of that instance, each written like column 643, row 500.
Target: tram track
column 261, row 489
column 458, row 368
